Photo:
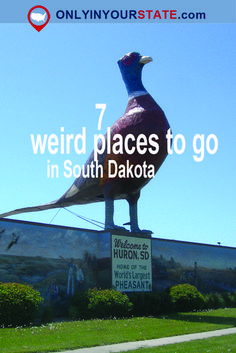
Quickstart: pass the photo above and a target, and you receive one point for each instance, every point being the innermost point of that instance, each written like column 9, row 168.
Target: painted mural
column 58, row 261
column 209, row 268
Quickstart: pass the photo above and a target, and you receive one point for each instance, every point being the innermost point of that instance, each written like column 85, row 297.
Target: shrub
column 108, row 303
column 214, row 301
column 18, row 304
column 99, row 304
column 144, row 303
column 79, row 306
column 234, row 298
column 149, row 303
column 46, row 314
column 229, row 299
column 185, row 297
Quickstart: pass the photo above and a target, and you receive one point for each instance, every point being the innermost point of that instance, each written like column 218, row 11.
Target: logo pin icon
column 38, row 17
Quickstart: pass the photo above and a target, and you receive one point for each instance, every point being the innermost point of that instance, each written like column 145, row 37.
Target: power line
column 55, row 215
column 89, row 220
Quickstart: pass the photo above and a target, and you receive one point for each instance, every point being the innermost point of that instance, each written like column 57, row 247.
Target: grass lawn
column 77, row 334
column 222, row 344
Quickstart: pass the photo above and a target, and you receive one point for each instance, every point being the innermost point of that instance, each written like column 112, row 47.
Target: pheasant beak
column 145, row 59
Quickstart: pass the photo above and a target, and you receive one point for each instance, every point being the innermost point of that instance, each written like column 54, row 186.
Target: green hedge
column 78, row 308
column 99, row 304
column 220, row 300
column 150, row 303
column 229, row 299
column 18, row 304
column 110, row 303
column 185, row 297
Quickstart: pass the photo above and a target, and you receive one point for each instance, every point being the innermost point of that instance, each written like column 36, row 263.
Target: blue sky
column 54, row 78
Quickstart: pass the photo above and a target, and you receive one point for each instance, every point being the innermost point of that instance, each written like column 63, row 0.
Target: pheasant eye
column 128, row 59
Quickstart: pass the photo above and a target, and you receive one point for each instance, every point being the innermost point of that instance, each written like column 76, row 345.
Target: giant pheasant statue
column 137, row 148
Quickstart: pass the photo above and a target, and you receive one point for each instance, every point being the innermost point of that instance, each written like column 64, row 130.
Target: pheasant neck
column 133, row 83
column 137, row 94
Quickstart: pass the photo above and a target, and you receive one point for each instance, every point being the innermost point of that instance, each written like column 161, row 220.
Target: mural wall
column 54, row 260
column 209, row 268
column 58, row 261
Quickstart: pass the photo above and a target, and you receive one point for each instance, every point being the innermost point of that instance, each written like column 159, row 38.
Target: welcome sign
column 131, row 263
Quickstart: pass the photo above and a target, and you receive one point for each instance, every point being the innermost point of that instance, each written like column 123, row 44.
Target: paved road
column 124, row 347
